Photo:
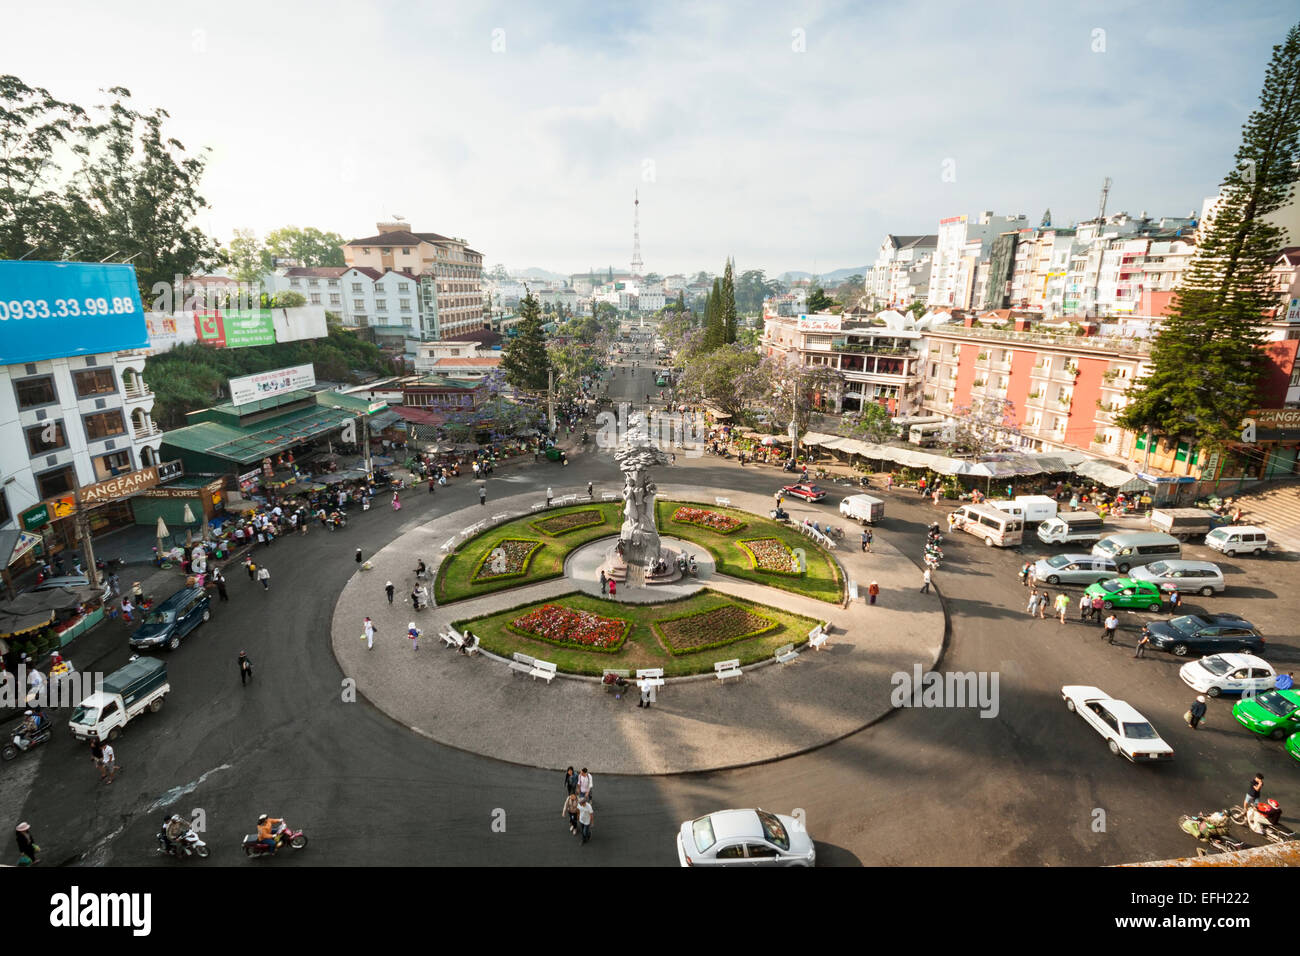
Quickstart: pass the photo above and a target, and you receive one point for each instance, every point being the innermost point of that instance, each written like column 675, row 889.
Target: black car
column 1205, row 634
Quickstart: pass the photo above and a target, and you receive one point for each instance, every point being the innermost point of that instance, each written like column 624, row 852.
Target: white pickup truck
column 125, row 694
column 863, row 508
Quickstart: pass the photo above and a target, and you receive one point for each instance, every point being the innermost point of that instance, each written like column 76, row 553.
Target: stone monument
column 638, row 556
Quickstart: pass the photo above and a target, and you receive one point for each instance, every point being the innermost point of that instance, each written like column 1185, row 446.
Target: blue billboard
column 56, row 309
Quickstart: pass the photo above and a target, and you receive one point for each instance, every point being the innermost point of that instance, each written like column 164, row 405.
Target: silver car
column 1201, row 576
column 745, row 838
column 1074, row 569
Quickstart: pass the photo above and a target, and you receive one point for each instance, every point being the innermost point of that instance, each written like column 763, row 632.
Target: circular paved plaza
column 698, row 723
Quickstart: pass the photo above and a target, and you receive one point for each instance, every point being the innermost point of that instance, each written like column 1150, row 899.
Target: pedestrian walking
column 586, row 784
column 865, row 541
column 586, row 812
column 925, row 588
column 936, row 497
column 1143, row 640
column 27, row 848
column 1062, row 605
column 245, row 668
column 1196, row 713
column 613, row 587
column 590, row 488
column 1074, row 502
column 1032, row 578
column 1085, row 607
column 1024, row 574
column 126, row 610
column 920, row 487
column 433, row 484
column 1255, row 793
column 873, row 592
column 413, row 633
column 571, row 811
column 604, row 582
column 1098, row 605
column 368, row 630
column 549, row 497
column 1108, row 631
column 220, row 580
column 264, row 576
column 1032, row 607
column 397, row 502
column 482, row 494
column 110, row 764
column 1175, row 601
column 389, row 589
column 251, row 568
column 571, row 781
column 358, row 557
column 889, row 481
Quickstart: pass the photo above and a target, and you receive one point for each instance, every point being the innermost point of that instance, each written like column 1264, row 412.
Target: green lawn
column 456, row 575
column 641, row 648
column 821, row 581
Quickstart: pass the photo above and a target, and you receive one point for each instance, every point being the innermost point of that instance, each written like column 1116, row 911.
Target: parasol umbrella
column 161, row 532
column 188, row 518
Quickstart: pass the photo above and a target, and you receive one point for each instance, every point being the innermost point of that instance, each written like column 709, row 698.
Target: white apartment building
column 952, row 276
column 68, row 422
column 896, row 272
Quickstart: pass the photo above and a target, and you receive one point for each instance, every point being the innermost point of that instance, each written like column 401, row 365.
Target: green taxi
column 1292, row 746
column 1127, row 593
column 1275, row 713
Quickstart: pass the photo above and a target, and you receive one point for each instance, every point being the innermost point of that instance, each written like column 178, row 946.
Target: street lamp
column 793, row 432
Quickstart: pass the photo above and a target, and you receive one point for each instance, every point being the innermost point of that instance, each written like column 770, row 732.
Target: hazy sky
column 788, row 135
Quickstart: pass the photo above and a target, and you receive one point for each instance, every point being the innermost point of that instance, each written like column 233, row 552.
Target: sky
column 788, row 136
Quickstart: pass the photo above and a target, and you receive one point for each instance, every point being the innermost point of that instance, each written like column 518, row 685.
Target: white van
column 993, row 526
column 1238, row 539
column 1129, row 548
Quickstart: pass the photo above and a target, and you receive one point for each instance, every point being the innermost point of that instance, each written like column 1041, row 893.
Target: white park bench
column 497, row 519
column 609, row 496
column 784, row 654
column 724, row 502
column 538, row 507
column 569, row 499
column 649, row 672
column 522, row 663
column 452, row 637
column 543, row 669
column 449, row 544
column 817, row 637
column 725, row 669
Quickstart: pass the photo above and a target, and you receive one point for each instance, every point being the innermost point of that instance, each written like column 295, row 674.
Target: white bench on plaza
column 543, row 669
column 522, row 663
column 539, row 507
column 785, row 654
column 724, row 502
column 725, row 669
column 497, row 519
column 569, row 500
column 449, row 544
column 643, row 672
column 817, row 637
column 452, row 637
column 609, row 496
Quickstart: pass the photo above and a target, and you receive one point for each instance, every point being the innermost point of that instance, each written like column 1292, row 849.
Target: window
column 356, row 287
column 58, row 481
column 359, row 304
column 733, row 852
column 104, row 424
column 95, row 381
column 5, row 513
column 45, row 437
column 34, row 392
column 335, row 299
column 315, row 298
column 406, row 251
column 406, row 305
column 334, row 283
column 109, row 466
column 386, row 250
column 760, row 850
column 295, row 283
column 1295, row 377
column 381, row 305
column 365, row 251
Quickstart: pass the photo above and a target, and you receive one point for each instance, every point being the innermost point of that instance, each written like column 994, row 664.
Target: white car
column 745, row 838
column 1228, row 674
column 1126, row 731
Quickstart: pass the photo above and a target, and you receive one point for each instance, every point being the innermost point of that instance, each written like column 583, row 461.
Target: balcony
column 1036, row 400
column 148, row 430
column 136, row 393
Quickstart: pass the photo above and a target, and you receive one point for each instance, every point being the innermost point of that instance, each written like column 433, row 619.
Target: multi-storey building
column 879, row 364
column 896, row 276
column 449, row 273
column 962, row 241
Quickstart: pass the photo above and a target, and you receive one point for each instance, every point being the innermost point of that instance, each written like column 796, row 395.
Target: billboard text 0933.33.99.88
column 55, row 309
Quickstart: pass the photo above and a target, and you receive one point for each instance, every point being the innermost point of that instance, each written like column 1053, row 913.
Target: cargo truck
column 125, row 694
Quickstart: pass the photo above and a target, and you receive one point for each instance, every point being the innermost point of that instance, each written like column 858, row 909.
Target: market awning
column 385, row 419
column 14, row 544
column 816, row 438
column 1110, row 476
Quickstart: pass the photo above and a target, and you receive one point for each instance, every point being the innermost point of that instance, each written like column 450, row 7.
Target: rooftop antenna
column 637, row 264
column 1105, row 191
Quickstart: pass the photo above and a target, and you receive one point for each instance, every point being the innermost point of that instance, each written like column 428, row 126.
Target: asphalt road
column 941, row 786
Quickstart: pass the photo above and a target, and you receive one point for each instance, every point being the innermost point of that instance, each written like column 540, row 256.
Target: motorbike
column 111, row 564
column 779, row 514
column 12, row 750
column 1211, row 828
column 833, row 532
column 283, row 835
column 186, row 846
column 1262, row 818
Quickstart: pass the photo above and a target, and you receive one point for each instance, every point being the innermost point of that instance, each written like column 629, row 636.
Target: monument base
column 616, row 567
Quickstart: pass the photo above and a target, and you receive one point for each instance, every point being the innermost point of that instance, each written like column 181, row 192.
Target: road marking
column 175, row 793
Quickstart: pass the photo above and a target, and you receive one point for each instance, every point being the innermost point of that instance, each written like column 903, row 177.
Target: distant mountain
column 829, row 278
column 535, row 273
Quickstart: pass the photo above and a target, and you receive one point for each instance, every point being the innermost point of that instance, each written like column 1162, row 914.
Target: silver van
column 1129, row 548
column 1171, row 575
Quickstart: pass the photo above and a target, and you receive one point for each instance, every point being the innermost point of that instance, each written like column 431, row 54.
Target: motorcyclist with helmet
column 173, row 829
column 27, row 730
column 268, row 831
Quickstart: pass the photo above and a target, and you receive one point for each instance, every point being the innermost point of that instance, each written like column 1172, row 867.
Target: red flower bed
column 712, row 520
column 562, row 625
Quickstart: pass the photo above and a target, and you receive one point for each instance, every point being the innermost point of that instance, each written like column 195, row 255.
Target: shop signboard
column 58, row 309
column 1272, row 424
column 120, row 487
column 250, row 388
column 234, row 328
column 36, row 517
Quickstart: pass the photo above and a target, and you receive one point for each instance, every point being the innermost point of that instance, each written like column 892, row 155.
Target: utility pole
column 365, row 444
column 82, row 521
column 550, row 398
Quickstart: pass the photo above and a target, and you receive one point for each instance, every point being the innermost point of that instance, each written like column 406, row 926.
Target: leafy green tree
column 819, row 301
column 917, row 309
column 308, row 247
column 724, row 376
column 288, row 300
column 871, row 423
column 789, row 388
column 247, row 258
column 136, row 195
column 525, row 359
column 35, row 129
column 1207, row 361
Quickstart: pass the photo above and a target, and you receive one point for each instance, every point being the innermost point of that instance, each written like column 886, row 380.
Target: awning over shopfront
column 14, row 544
column 1110, row 476
column 34, row 610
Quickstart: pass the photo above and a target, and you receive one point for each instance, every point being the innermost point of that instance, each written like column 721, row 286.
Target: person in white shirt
column 264, row 576
column 585, row 784
column 585, row 813
column 369, row 629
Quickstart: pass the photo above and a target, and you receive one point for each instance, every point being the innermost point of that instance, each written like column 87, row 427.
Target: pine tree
column 728, row 305
column 1207, row 360
column 681, row 300
column 525, row 360
column 714, row 332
